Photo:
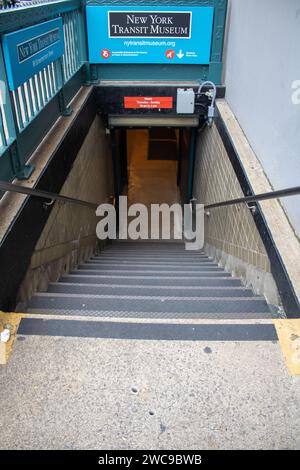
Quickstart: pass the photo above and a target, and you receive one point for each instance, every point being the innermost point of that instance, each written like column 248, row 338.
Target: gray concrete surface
column 69, row 393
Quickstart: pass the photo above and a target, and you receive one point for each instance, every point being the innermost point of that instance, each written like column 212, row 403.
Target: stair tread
column 145, row 274
column 154, row 281
column 261, row 330
column 159, row 305
column 148, row 263
column 139, row 297
column 150, row 290
column 153, row 315
column 151, row 281
column 155, row 269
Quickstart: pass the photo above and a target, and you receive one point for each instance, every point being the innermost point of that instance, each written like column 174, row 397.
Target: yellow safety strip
column 288, row 332
column 12, row 319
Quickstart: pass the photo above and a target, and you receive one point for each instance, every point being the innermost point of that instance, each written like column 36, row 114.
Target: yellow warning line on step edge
column 13, row 320
column 288, row 332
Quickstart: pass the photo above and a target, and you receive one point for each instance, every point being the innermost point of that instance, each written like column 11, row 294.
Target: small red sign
column 170, row 54
column 148, row 102
column 105, row 53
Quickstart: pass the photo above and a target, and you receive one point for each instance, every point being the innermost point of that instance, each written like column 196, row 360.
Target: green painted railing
column 28, row 113
column 11, row 4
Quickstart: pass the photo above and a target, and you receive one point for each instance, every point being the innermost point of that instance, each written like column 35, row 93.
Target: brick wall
column 69, row 236
column 231, row 235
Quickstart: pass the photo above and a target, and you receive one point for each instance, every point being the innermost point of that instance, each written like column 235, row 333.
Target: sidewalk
column 80, row 393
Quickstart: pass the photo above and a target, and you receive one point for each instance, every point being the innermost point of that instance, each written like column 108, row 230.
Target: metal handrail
column 259, row 197
column 4, row 186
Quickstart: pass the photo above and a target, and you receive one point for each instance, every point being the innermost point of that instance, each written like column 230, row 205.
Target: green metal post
column 192, row 151
column 64, row 108
column 22, row 170
column 216, row 64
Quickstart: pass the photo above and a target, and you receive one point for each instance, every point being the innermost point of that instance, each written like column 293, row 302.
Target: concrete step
column 149, row 269
column 149, row 262
column 178, row 251
column 183, row 316
column 152, row 307
column 121, row 242
column 178, row 248
column 151, row 258
column 147, row 246
column 154, row 274
column 151, row 280
column 149, row 252
column 96, row 289
column 148, row 329
column 166, row 281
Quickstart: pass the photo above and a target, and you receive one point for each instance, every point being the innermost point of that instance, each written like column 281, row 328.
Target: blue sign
column 147, row 35
column 29, row 50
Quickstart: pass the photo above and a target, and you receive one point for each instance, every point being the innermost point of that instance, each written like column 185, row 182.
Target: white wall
column 262, row 60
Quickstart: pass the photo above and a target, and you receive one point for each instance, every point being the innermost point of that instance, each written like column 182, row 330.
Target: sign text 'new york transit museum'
column 145, row 35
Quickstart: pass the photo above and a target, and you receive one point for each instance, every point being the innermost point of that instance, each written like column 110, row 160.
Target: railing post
column 215, row 67
column 192, row 150
column 63, row 107
column 180, row 157
column 22, row 170
column 91, row 74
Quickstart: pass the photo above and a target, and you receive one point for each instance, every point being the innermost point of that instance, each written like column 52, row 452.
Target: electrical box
column 185, row 101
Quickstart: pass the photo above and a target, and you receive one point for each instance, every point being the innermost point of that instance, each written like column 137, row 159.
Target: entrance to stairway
column 153, row 165
column 152, row 162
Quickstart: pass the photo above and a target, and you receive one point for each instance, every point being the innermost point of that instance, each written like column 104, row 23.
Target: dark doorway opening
column 153, row 165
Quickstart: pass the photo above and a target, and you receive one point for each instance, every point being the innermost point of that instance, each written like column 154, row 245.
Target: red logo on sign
column 170, row 54
column 105, row 53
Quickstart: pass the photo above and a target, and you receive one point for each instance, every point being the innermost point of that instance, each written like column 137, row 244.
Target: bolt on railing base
column 25, row 172
column 67, row 111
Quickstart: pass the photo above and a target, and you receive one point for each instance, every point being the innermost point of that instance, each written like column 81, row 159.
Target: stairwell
column 150, row 291
column 147, row 345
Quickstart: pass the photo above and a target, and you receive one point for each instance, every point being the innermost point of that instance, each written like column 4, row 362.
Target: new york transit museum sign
column 175, row 35
column 28, row 50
